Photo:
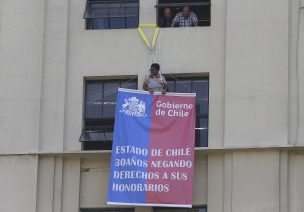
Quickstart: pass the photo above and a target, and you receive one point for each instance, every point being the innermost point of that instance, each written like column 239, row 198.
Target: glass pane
column 116, row 10
column 92, row 136
column 202, row 210
column 94, row 95
column 132, row 22
column 117, row 13
column 117, row 23
column 94, row 110
column 94, row 92
column 183, row 86
column 170, row 86
column 200, row 87
column 129, row 85
column 109, row 136
column 201, row 106
column 99, row 12
column 100, row 23
column 95, row 10
column 110, row 89
column 109, row 108
column 201, row 132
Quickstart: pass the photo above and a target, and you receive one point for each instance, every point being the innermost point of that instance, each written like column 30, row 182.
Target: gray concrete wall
column 300, row 77
column 247, row 180
column 18, row 183
column 21, row 41
column 256, row 91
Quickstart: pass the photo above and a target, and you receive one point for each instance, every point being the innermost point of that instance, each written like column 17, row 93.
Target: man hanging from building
column 155, row 81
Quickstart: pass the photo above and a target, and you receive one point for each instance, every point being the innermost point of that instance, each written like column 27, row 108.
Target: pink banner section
column 171, row 150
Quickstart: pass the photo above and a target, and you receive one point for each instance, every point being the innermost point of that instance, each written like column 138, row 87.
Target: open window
column 201, row 8
column 111, row 14
column 99, row 112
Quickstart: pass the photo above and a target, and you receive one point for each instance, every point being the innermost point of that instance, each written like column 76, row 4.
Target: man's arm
column 175, row 20
column 173, row 24
column 194, row 19
column 145, row 86
column 164, row 88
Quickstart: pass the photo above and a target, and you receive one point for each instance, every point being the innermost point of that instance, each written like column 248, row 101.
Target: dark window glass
column 200, row 86
column 112, row 14
column 194, row 209
column 100, row 103
column 201, row 8
column 108, row 210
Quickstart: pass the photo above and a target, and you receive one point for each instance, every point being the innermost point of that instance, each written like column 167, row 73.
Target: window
column 99, row 112
column 200, row 7
column 111, row 14
column 194, row 209
column 108, row 210
column 200, row 86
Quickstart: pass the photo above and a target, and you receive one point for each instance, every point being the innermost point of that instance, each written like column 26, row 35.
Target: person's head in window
column 167, row 13
column 186, row 11
column 186, row 18
column 154, row 69
column 166, row 19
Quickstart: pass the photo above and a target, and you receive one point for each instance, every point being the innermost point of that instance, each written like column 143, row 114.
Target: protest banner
column 153, row 149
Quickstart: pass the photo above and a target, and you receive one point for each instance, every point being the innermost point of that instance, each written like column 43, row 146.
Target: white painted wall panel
column 256, row 73
column 18, row 183
column 21, row 44
column 53, row 76
column 45, row 182
column 255, row 181
column 296, row 183
column 301, row 79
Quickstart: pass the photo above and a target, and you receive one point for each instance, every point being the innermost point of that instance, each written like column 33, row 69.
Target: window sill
column 207, row 150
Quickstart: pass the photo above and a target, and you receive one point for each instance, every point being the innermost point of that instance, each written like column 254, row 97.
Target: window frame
column 180, row 77
column 107, row 3
column 173, row 209
column 102, row 125
column 194, row 4
column 107, row 209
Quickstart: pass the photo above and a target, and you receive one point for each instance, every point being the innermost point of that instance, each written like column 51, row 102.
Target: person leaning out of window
column 186, row 18
column 166, row 19
column 155, row 81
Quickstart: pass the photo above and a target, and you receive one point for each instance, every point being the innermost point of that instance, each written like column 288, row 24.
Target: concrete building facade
column 252, row 54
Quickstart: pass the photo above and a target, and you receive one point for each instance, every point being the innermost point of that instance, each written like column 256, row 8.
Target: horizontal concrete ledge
column 198, row 150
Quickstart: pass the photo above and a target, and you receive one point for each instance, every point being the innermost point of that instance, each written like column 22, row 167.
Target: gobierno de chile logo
column 134, row 107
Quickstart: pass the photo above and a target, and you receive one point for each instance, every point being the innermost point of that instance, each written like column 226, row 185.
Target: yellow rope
column 147, row 26
column 144, row 37
column 156, row 31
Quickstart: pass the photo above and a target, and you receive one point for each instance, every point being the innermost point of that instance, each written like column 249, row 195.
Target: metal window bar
column 183, row 4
